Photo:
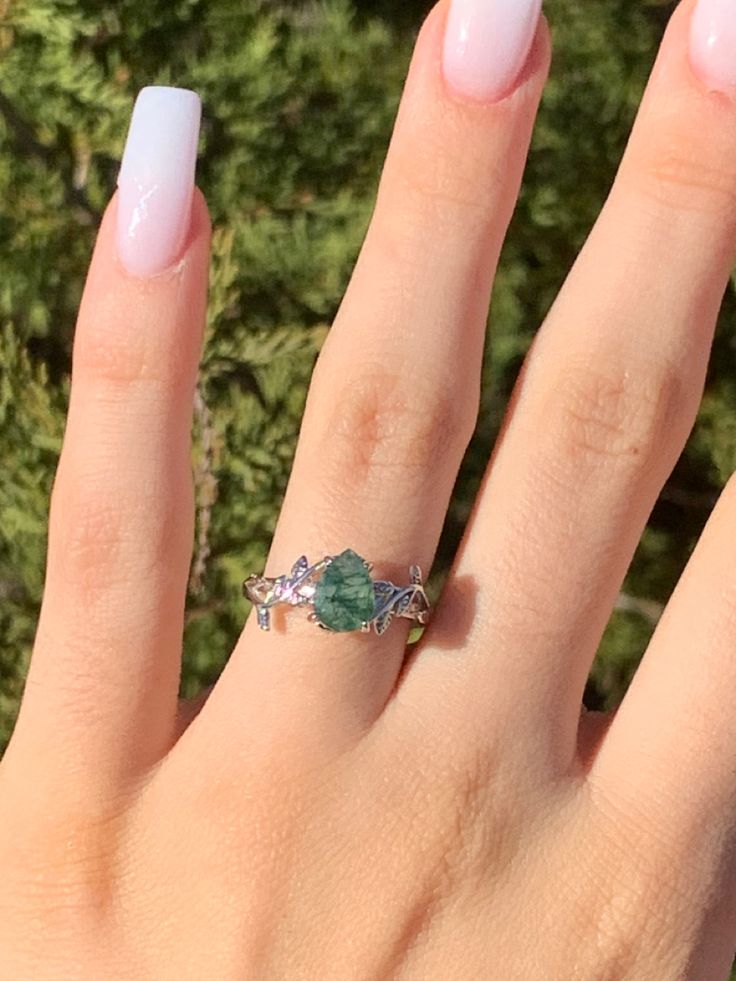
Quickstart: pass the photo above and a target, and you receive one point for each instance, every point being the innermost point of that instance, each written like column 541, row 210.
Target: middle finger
column 607, row 399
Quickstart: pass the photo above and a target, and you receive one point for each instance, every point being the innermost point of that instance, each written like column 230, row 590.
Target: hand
column 334, row 809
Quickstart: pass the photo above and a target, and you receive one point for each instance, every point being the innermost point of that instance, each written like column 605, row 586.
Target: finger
column 104, row 674
column 674, row 735
column 394, row 397
column 608, row 396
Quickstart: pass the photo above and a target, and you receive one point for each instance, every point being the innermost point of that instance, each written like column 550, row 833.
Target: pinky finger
column 678, row 719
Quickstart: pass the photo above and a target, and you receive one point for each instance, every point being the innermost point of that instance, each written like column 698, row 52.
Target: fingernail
column 713, row 42
column 156, row 180
column 487, row 43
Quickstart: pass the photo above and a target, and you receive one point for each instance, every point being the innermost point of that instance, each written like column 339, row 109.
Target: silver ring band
column 341, row 594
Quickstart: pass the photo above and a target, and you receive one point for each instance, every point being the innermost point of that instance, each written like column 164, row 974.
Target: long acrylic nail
column 156, row 180
column 487, row 43
column 713, row 43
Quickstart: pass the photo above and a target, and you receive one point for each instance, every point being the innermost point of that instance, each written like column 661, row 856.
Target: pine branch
column 696, row 500
column 26, row 140
column 650, row 610
column 206, row 490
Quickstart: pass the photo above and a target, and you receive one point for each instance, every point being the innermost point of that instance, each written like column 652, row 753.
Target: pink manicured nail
column 713, row 42
column 487, row 43
column 156, row 180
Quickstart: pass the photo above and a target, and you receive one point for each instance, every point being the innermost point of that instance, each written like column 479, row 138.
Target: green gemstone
column 344, row 598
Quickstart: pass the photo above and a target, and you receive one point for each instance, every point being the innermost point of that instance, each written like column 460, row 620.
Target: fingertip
column 683, row 147
column 129, row 325
column 429, row 81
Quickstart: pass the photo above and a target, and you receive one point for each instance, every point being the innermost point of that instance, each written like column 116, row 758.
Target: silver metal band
column 343, row 600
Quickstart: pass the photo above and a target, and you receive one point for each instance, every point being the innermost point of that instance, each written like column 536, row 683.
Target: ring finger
column 394, row 397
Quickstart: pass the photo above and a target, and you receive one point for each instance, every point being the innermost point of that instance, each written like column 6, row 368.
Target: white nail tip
column 156, row 179
column 487, row 43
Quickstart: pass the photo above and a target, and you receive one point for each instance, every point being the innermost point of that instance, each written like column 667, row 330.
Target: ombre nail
column 487, row 43
column 713, row 43
column 156, row 180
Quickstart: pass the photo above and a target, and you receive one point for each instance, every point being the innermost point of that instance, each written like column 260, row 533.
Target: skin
column 333, row 810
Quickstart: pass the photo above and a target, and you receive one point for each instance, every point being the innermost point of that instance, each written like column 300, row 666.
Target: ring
column 343, row 596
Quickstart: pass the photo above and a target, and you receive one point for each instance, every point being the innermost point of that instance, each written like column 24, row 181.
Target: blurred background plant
column 299, row 100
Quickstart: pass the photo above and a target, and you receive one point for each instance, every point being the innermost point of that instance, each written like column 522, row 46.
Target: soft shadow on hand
column 450, row 626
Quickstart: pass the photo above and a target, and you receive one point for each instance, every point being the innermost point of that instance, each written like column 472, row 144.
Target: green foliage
column 299, row 99
column 296, row 123
column 31, row 423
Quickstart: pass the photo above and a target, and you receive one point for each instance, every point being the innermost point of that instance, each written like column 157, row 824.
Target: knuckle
column 89, row 533
column 103, row 352
column 607, row 922
column 473, row 799
column 445, row 178
column 674, row 172
column 632, row 860
column 478, row 809
column 377, row 424
column 66, row 869
column 98, row 539
column 437, row 197
column 612, row 914
column 151, row 349
column 622, row 416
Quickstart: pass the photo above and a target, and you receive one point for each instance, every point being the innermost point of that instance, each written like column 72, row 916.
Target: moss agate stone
column 343, row 598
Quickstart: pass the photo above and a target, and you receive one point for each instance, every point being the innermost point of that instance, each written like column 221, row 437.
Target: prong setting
column 304, row 586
